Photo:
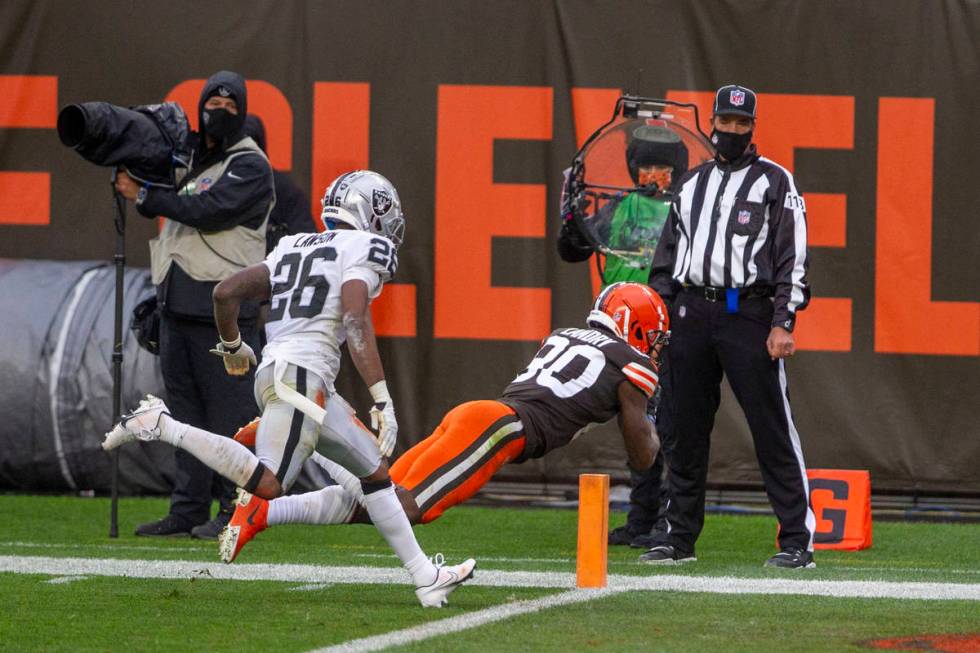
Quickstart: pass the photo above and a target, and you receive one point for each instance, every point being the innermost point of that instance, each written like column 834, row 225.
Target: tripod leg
column 117, row 352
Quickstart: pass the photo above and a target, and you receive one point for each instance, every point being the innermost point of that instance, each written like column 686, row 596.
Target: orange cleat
column 246, row 434
column 250, row 519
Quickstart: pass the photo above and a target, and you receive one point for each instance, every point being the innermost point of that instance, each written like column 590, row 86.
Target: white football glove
column 383, row 418
column 237, row 356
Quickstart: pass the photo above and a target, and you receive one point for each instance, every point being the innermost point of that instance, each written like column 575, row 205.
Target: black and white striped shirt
column 735, row 226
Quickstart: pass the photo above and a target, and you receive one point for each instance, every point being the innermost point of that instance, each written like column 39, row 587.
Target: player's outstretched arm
column 356, row 309
column 250, row 283
column 639, row 436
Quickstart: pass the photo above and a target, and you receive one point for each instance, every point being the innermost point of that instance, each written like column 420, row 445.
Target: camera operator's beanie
column 655, row 145
column 226, row 84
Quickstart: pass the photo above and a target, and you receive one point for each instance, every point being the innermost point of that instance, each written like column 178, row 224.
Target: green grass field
column 187, row 600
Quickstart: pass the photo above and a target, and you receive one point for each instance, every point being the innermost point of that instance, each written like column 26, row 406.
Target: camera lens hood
column 71, row 125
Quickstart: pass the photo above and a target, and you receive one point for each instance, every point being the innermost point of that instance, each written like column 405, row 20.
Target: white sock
column 389, row 518
column 225, row 456
column 348, row 481
column 331, row 505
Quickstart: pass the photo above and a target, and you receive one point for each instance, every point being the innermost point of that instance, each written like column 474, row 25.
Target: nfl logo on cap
column 735, row 99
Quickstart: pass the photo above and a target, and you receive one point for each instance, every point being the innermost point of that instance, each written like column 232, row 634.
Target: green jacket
column 634, row 232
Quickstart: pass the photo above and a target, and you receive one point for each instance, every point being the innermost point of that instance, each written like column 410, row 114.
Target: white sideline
column 463, row 622
column 391, row 557
column 307, row 574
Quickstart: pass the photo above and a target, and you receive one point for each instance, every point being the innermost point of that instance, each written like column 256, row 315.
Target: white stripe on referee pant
column 794, row 436
column 470, row 460
column 465, row 621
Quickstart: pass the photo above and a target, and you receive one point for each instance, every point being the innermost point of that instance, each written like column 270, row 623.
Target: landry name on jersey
column 306, row 273
column 571, row 384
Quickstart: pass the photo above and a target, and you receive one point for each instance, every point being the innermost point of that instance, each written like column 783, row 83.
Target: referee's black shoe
column 623, row 536
column 792, row 558
column 665, row 554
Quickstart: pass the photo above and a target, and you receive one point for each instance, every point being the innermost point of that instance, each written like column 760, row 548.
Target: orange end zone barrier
column 841, row 501
column 593, row 530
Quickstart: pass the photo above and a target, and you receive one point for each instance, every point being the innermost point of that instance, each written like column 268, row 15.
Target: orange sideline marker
column 841, row 502
column 593, row 530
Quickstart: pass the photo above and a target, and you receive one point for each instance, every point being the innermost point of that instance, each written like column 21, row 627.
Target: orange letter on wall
column 264, row 100
column 27, row 102
column 907, row 321
column 471, row 209
column 341, row 122
column 592, row 108
column 788, row 123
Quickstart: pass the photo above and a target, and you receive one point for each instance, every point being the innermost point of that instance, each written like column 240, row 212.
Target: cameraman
column 215, row 225
column 656, row 158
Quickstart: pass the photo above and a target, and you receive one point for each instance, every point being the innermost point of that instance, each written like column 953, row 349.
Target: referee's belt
column 717, row 293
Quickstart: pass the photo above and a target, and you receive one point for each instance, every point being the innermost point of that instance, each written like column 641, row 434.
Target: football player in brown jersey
column 578, row 378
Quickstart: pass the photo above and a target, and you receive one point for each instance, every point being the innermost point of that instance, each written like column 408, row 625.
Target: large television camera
column 619, row 212
column 151, row 141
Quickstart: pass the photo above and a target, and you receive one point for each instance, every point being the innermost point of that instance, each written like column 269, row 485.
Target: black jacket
column 291, row 214
column 240, row 196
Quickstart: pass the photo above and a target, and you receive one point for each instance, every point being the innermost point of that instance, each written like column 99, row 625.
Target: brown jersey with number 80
column 571, row 384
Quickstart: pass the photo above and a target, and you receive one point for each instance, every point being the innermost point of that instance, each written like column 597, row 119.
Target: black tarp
column 56, row 378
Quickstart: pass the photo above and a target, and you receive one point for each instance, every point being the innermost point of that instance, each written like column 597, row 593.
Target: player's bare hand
column 126, row 185
column 780, row 343
column 237, row 356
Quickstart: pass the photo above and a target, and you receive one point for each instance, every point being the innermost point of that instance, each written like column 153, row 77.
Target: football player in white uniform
column 320, row 287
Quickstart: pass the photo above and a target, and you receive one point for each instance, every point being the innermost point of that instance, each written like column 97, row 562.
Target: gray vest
column 215, row 255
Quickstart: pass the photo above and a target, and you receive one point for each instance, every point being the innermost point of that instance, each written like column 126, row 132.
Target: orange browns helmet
column 634, row 312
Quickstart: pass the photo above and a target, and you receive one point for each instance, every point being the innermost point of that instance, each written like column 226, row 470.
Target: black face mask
column 219, row 124
column 729, row 145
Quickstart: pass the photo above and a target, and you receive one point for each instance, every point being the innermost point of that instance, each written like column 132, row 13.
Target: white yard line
column 930, row 570
column 307, row 574
column 392, row 556
column 61, row 580
column 111, row 547
column 632, row 563
column 185, row 546
column 312, row 587
column 464, row 622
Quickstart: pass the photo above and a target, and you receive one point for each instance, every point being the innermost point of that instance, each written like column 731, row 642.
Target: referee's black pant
column 707, row 341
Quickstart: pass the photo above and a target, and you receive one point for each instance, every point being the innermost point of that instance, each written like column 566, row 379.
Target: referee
column 733, row 260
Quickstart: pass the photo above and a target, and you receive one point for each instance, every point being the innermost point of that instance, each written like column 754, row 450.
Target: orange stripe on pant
column 473, row 441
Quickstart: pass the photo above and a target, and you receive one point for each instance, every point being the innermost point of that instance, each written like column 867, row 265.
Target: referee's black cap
column 735, row 99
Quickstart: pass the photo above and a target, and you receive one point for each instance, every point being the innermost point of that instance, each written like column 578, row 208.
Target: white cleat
column 141, row 424
column 447, row 580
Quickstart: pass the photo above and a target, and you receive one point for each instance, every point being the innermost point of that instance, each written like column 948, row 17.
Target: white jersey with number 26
column 306, row 271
